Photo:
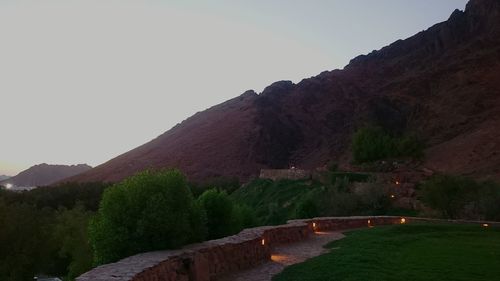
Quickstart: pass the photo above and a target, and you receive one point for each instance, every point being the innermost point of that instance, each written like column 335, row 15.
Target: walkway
column 285, row 255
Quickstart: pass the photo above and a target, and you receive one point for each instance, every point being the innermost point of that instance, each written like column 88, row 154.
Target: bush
column 410, row 146
column 373, row 198
column 461, row 197
column 146, row 212
column 447, row 194
column 306, row 209
column 244, row 217
column 372, row 143
column 221, row 213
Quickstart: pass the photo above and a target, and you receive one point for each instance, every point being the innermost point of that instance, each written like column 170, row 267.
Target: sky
column 83, row 81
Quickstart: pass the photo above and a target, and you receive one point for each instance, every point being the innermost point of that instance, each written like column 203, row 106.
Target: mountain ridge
column 439, row 83
column 45, row 174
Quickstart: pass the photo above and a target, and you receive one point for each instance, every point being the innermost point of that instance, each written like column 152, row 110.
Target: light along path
column 285, row 255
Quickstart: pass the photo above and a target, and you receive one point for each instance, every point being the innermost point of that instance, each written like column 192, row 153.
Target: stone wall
column 208, row 260
column 291, row 174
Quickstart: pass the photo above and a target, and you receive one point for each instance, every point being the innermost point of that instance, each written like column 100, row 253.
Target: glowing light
column 397, row 182
column 403, row 220
column 263, row 242
column 8, row 186
column 485, row 225
column 370, row 223
column 314, row 225
column 393, row 196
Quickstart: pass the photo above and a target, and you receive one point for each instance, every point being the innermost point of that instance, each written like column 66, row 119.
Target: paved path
column 285, row 255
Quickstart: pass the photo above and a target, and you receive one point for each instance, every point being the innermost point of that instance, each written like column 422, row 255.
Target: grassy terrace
column 407, row 252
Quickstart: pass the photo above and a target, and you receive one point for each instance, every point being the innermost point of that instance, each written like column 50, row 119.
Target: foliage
column 228, row 184
column 306, row 209
column 349, row 176
column 148, row 211
column 461, row 197
column 370, row 144
column 373, row 143
column 219, row 209
column 245, row 216
column 275, row 202
column 223, row 216
column 42, row 241
column 70, row 231
column 415, row 252
column 66, row 195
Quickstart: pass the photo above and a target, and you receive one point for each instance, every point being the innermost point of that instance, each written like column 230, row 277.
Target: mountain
column 3, row 177
column 442, row 84
column 45, row 174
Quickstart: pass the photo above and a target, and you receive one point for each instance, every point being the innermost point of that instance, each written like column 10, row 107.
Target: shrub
column 410, row 146
column 447, row 194
column 306, row 209
column 372, row 143
column 220, row 212
column 148, row 211
column 461, row 197
column 373, row 198
column 244, row 217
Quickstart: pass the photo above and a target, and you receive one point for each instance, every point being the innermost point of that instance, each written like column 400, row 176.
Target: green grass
column 407, row 252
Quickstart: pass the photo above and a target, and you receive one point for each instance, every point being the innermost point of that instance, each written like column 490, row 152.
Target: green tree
column 244, row 217
column 370, row 144
column 71, row 235
column 220, row 213
column 148, row 211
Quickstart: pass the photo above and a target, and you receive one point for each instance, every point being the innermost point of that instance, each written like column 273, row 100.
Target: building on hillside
column 290, row 174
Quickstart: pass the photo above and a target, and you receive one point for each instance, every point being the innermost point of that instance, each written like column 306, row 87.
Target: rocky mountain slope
column 45, row 174
column 442, row 84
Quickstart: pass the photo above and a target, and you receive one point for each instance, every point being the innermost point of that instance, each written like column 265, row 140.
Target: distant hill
column 441, row 84
column 3, row 177
column 45, row 174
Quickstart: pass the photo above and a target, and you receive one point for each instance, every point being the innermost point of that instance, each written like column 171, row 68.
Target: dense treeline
column 67, row 229
column 44, row 231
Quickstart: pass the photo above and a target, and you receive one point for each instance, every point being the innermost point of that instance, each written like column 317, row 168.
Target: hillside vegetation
column 275, row 202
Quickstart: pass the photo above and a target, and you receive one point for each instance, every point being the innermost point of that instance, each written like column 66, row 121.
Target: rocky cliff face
column 45, row 174
column 442, row 83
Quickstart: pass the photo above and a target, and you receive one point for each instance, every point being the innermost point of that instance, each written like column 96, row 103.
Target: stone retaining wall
column 208, row 260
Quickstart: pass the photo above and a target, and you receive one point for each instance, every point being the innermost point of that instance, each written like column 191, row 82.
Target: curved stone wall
column 208, row 260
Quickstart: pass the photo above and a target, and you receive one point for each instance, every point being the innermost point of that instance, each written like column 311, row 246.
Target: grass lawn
column 410, row 252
